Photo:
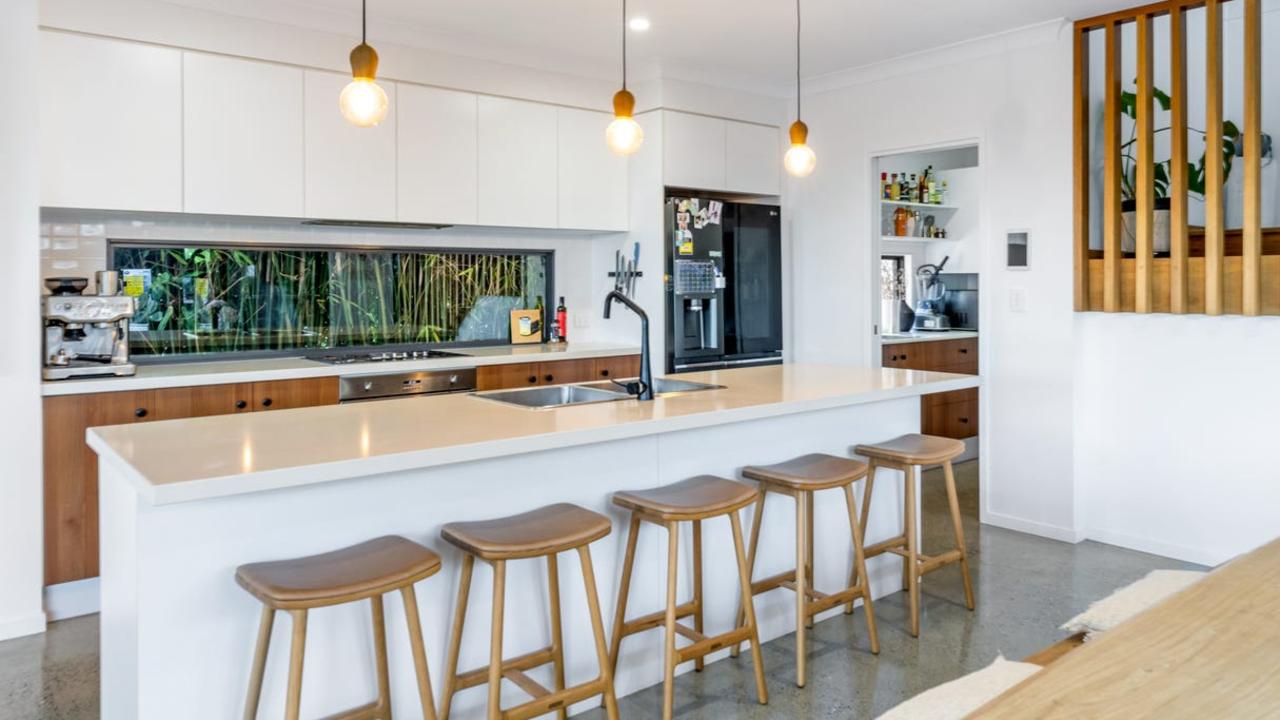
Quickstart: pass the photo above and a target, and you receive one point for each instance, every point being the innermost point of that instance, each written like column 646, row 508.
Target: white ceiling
column 743, row 42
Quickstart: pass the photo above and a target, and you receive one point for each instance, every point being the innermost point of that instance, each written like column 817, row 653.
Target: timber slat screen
column 1211, row 269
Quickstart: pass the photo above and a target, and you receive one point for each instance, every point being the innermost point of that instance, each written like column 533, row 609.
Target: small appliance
column 931, row 315
column 86, row 335
column 355, row 388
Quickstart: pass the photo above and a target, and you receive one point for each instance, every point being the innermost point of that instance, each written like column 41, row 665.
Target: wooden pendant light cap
column 624, row 104
column 364, row 62
column 799, row 133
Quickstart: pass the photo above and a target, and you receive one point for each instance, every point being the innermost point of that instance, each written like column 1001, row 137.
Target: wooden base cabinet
column 71, row 468
column 950, row 414
column 502, row 377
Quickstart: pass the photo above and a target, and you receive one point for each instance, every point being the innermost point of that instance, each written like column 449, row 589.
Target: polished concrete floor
column 1025, row 587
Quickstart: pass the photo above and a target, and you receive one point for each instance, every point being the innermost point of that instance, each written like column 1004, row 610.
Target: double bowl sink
column 554, row 396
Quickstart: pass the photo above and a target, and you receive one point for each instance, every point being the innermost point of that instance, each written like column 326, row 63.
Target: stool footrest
column 528, row 661
column 371, row 711
column 771, row 582
column 810, row 592
column 884, row 546
column 556, row 700
column 931, row 563
column 709, row 645
column 834, row 599
column 526, row 683
column 690, row 633
column 656, row 619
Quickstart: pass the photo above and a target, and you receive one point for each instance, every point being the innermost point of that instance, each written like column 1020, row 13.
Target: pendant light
column 624, row 135
column 363, row 102
column 799, row 160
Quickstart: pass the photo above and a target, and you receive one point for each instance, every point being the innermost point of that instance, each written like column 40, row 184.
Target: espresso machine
column 86, row 335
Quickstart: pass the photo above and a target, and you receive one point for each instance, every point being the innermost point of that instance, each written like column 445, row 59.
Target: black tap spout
column 645, row 389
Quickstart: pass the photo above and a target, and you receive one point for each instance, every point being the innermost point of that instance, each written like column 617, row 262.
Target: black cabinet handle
column 549, row 377
column 893, row 359
column 266, row 402
column 964, row 420
column 140, row 412
column 964, row 351
column 533, row 378
column 241, row 404
column 904, row 357
column 604, row 373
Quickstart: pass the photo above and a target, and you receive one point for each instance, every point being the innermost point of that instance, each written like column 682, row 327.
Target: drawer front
column 957, row 420
column 287, row 394
column 617, row 368
column 566, row 371
column 203, row 400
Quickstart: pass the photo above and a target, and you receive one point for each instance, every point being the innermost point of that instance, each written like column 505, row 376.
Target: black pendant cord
column 364, row 21
column 797, row 59
column 624, row 44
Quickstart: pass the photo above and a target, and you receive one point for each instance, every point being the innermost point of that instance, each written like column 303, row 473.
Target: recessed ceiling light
column 639, row 24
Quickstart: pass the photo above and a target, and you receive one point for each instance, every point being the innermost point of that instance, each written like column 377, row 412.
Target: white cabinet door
column 242, row 138
column 436, row 156
column 693, row 151
column 350, row 171
column 110, row 124
column 753, row 158
column 593, row 179
column 517, row 180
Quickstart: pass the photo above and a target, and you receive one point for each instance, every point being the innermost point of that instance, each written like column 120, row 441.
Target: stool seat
column 547, row 530
column 914, row 449
column 370, row 568
column 692, row 499
column 809, row 472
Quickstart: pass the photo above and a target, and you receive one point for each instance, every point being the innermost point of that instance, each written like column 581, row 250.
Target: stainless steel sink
column 539, row 398
column 553, row 396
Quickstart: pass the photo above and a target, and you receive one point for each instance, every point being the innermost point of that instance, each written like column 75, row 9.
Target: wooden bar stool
column 693, row 500
column 368, row 570
column 800, row 478
column 544, row 532
column 905, row 453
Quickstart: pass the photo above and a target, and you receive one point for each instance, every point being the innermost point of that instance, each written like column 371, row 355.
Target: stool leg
column 410, row 599
column 748, row 604
column 380, row 653
column 293, row 702
column 259, row 662
column 751, row 561
column 669, row 664
column 808, row 560
column 557, row 643
column 455, row 640
column 620, row 613
column 495, row 639
column 959, row 530
column 910, row 568
column 697, row 585
column 859, row 574
column 597, row 629
column 802, row 587
column 866, row 498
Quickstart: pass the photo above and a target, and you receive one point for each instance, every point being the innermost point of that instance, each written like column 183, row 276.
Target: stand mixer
column 86, row 335
column 931, row 292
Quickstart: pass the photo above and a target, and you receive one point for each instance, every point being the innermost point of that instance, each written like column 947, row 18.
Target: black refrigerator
column 723, row 284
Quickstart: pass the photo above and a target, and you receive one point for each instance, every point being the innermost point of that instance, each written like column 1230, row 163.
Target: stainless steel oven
column 382, row 386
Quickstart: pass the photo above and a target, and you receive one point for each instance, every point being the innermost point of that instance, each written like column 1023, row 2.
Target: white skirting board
column 72, row 599
column 21, row 627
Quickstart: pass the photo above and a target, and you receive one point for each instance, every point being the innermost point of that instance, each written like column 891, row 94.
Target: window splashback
column 199, row 300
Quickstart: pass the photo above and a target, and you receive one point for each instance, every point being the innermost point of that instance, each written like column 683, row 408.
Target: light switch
column 1017, row 300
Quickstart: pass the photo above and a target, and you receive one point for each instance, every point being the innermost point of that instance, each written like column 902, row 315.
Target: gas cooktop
column 362, row 356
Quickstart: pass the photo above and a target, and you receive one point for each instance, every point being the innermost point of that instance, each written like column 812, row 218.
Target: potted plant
column 1231, row 139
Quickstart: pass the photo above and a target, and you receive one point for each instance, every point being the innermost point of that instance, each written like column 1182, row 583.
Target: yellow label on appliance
column 134, row 285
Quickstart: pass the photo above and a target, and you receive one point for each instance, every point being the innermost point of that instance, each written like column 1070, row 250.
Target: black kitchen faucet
column 644, row 388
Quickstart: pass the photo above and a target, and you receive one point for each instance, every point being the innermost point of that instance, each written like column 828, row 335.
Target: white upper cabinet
column 693, row 151
column 517, row 168
column 350, row 171
column 243, row 137
column 593, row 179
column 436, row 156
column 110, row 124
column 753, row 158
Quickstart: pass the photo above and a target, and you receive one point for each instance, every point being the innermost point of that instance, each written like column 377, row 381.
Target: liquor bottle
column 562, row 320
column 910, row 194
column 942, row 194
column 894, row 189
column 884, row 186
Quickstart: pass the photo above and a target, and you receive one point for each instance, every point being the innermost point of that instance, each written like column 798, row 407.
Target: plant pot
column 1159, row 229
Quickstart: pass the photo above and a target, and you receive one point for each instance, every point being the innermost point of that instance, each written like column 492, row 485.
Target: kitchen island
column 184, row 502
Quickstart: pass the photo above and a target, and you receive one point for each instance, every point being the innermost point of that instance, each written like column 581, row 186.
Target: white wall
column 1175, row 426
column 22, row 562
column 1010, row 94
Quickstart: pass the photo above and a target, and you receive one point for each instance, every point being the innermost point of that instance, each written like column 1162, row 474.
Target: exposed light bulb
column 624, row 135
column 800, row 159
column 639, row 24
column 363, row 102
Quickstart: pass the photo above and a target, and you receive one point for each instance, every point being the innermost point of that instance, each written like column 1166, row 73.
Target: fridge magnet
column 713, row 211
column 683, row 206
column 686, row 242
column 700, row 220
column 526, row 326
column 682, row 220
column 693, row 205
